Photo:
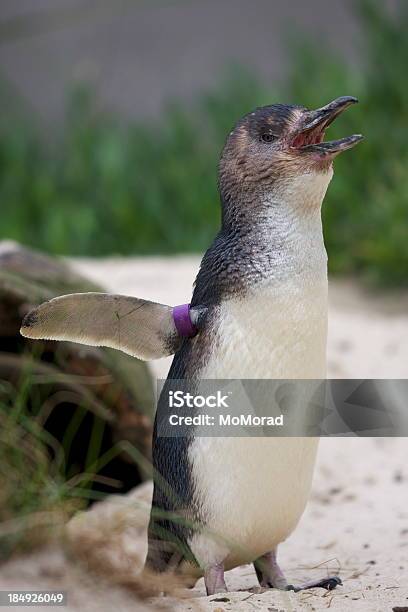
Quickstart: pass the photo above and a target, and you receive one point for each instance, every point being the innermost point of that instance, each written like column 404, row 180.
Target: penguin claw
column 325, row 583
column 330, row 583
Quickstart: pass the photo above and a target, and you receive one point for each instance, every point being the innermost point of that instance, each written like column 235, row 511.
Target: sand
column 356, row 522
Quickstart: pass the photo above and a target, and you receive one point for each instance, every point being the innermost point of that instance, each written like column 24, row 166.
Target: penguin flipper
column 143, row 329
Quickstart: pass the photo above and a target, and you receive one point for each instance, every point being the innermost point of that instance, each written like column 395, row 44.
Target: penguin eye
column 268, row 137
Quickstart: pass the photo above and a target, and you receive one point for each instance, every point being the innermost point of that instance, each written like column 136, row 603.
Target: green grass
column 102, row 187
column 35, row 500
column 41, row 486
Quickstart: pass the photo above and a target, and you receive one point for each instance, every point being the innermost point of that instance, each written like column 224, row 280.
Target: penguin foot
column 214, row 579
column 269, row 573
column 329, row 584
column 271, row 576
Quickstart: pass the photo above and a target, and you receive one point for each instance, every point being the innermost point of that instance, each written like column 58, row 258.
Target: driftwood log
column 73, row 387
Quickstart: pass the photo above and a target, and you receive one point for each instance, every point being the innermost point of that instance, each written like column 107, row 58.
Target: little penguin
column 258, row 311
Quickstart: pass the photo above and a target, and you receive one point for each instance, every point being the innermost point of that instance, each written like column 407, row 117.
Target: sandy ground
column 356, row 523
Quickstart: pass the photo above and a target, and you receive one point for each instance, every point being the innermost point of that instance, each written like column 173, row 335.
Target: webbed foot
column 329, row 584
column 271, row 576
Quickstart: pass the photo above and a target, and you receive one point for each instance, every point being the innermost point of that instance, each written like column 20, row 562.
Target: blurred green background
column 103, row 184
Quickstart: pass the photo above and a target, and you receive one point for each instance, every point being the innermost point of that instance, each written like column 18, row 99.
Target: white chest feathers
column 253, row 491
column 272, row 334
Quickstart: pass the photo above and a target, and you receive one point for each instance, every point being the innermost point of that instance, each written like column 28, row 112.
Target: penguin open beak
column 309, row 136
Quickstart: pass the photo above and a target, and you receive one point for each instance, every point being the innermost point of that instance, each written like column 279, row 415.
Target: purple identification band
column 182, row 321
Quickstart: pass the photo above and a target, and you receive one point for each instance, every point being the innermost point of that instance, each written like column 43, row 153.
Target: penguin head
column 274, row 146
